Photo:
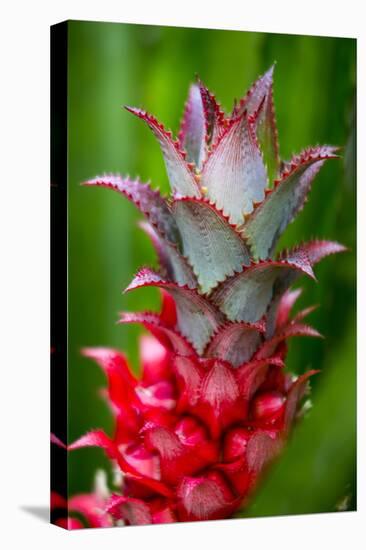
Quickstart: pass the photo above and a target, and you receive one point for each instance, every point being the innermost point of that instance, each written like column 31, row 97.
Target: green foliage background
column 114, row 64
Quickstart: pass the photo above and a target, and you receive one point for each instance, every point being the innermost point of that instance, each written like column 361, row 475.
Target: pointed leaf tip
column 168, row 336
column 215, row 121
column 57, row 441
column 147, row 200
column 96, row 438
column 271, row 217
column 291, row 330
column 181, row 178
column 145, row 277
column 285, row 306
column 299, row 258
column 192, row 134
column 258, row 103
column 319, row 249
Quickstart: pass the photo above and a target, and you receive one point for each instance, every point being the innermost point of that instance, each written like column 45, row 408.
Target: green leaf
column 247, row 295
column 212, row 246
column 269, row 220
column 234, row 174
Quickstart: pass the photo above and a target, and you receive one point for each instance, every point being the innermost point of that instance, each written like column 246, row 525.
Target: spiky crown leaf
column 217, row 234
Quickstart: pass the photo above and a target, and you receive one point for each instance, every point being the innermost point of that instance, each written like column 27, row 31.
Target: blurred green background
column 115, row 64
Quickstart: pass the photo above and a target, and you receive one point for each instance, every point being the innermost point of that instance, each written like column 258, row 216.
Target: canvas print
column 203, row 279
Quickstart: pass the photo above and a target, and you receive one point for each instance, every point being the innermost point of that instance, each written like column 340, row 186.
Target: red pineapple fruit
column 213, row 405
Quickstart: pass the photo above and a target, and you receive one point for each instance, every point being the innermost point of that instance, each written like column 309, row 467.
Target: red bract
column 213, row 405
column 199, row 437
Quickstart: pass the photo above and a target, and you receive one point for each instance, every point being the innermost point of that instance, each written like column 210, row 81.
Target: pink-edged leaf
column 121, row 388
column 160, row 395
column 197, row 318
column 214, row 116
column 190, row 375
column 174, row 265
column 322, row 150
column 170, row 338
column 121, row 381
column 304, row 313
column 147, row 277
column 154, row 359
column 285, row 306
column 254, row 97
column 204, row 498
column 234, row 176
column 176, row 458
column 212, row 246
column 235, row 342
column 319, row 249
column 284, row 201
column 96, row 438
column 132, row 510
column 192, row 132
column 251, row 375
column 299, row 258
column 148, row 200
column 147, row 466
column 181, row 177
column 143, row 461
column 92, row 508
column 305, row 255
column 99, row 439
column 261, row 449
column 210, row 391
column 259, row 102
column 56, row 441
column 220, row 403
column 295, row 329
column 294, row 396
column 247, row 295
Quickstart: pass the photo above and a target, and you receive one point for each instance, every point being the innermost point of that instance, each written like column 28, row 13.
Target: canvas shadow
column 40, row 512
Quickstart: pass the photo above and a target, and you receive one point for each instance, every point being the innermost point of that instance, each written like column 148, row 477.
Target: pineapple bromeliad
column 213, row 405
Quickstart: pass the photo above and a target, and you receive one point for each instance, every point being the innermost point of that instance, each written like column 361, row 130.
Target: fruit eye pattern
column 214, row 405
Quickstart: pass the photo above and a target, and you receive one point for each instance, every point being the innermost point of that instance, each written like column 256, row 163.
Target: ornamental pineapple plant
column 214, row 404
